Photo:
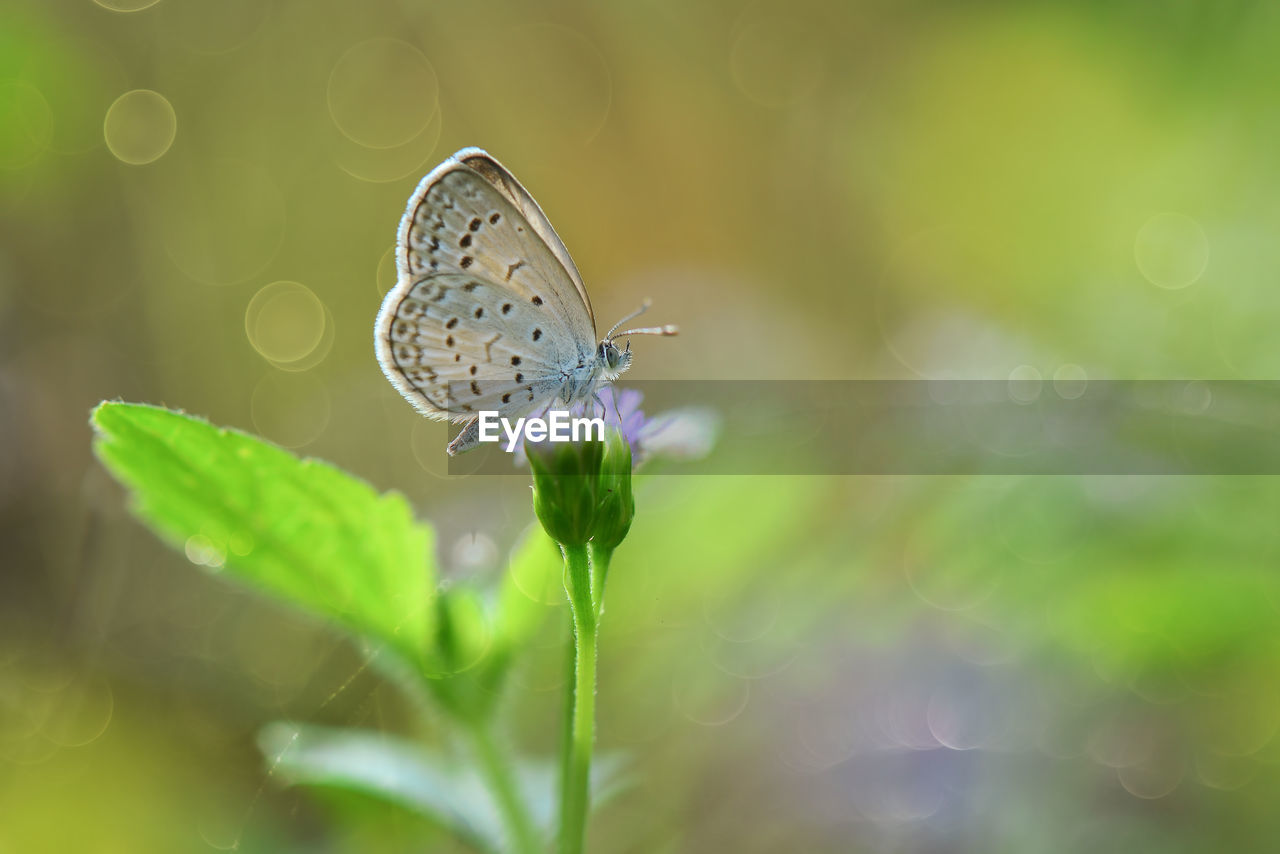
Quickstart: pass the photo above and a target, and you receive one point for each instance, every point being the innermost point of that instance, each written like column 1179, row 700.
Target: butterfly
column 489, row 312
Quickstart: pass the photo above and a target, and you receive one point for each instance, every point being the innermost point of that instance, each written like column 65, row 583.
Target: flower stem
column 577, row 791
column 576, row 755
column 600, row 559
column 566, row 729
column 520, row 831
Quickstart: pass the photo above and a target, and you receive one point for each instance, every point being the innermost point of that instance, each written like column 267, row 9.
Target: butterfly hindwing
column 456, row 344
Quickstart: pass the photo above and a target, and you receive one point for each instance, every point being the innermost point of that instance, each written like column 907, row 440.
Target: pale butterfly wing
column 506, row 183
column 461, row 344
column 450, row 226
column 489, row 311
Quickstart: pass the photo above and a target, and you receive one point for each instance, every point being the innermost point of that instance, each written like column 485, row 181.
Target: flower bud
column 617, row 506
column 565, row 482
column 582, row 490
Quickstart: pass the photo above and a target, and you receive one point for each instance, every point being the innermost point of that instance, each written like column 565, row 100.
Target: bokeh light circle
column 1224, row 772
column 126, row 5
column 384, row 277
column 709, row 696
column 1154, row 778
column 545, row 588
column 139, row 127
column 203, row 551
column 774, row 60
column 948, row 566
column 214, row 27
column 220, row 823
column 961, row 718
column 473, row 552
column 285, row 322
column 80, row 713
column 26, row 124
column 384, row 165
column 1193, row 398
column 290, row 409
column 1070, row 381
column 382, row 93
column 1025, row 384
column 427, row 442
column 1171, row 250
column 222, row 221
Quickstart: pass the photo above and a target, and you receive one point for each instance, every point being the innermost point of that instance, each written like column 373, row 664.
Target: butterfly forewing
column 459, row 222
column 506, row 184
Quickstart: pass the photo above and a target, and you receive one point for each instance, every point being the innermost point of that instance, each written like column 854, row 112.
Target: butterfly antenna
column 632, row 316
column 669, row 329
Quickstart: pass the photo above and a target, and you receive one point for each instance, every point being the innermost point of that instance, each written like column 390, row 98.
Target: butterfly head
column 613, row 361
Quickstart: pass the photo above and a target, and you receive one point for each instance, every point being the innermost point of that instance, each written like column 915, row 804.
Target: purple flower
column 687, row 433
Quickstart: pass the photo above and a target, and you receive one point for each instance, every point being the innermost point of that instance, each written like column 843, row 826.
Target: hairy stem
column 566, row 728
column 600, row 559
column 577, row 748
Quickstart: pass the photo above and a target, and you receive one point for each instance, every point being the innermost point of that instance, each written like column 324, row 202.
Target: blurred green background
column 198, row 200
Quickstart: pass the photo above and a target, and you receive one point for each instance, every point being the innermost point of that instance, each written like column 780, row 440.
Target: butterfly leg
column 468, row 437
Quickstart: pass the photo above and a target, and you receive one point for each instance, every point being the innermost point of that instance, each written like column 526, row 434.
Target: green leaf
column 476, row 641
column 463, row 635
column 300, row 530
column 532, row 587
column 445, row 788
column 384, row 766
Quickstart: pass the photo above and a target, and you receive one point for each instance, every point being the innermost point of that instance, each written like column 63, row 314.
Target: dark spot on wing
column 473, row 370
column 506, row 398
column 466, row 261
column 519, row 378
column 448, row 342
column 537, row 300
column 453, row 321
column 469, row 286
column 465, row 241
column 479, row 313
column 515, row 360
column 475, row 224
column 475, row 388
column 506, row 308
column 493, row 219
column 537, row 333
